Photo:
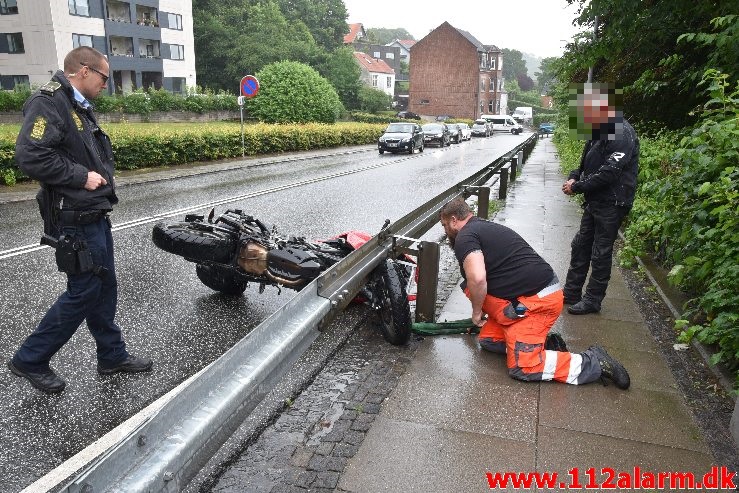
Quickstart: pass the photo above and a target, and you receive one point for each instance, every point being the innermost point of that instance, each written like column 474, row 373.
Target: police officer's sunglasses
column 105, row 77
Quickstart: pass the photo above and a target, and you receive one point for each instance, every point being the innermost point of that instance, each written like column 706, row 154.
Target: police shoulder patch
column 50, row 87
column 39, row 127
column 77, row 121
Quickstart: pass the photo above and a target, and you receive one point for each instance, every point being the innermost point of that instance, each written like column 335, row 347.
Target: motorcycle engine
column 253, row 258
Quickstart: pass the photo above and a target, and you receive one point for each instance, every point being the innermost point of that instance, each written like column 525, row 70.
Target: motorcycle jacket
column 609, row 165
column 60, row 142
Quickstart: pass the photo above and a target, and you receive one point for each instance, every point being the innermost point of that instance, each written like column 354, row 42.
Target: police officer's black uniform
column 59, row 143
column 607, row 177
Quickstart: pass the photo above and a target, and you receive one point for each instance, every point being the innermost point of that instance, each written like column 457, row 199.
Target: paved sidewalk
column 456, row 414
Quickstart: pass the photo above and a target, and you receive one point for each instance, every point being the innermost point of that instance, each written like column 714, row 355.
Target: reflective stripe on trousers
column 522, row 341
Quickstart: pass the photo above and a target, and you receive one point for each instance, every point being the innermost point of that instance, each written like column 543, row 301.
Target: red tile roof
column 353, row 31
column 373, row 64
column 407, row 42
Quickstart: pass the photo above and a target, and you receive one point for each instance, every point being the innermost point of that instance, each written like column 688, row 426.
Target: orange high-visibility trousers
column 522, row 340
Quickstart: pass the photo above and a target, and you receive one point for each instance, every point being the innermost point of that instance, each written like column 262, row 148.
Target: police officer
column 607, row 178
column 61, row 146
column 505, row 279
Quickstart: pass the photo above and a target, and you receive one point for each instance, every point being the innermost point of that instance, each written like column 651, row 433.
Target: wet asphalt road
column 165, row 312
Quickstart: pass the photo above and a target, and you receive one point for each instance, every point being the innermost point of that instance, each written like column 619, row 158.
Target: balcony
column 146, row 16
column 120, row 46
column 119, row 11
column 149, row 48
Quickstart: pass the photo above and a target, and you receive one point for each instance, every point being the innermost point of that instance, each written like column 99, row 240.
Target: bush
column 13, row 100
column 151, row 145
column 373, row 100
column 294, row 92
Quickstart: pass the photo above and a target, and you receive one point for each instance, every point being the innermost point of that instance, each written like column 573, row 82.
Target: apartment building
column 149, row 43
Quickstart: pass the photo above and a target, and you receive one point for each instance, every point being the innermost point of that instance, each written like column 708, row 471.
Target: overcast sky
column 530, row 26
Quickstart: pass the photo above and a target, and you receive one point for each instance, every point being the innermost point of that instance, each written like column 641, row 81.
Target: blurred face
column 91, row 79
column 595, row 109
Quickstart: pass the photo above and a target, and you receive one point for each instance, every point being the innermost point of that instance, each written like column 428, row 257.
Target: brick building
column 452, row 73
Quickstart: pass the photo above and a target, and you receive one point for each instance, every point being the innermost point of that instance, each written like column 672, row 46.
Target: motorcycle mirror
column 387, row 223
column 210, row 216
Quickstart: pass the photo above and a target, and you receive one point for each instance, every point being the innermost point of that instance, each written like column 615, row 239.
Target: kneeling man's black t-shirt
column 513, row 268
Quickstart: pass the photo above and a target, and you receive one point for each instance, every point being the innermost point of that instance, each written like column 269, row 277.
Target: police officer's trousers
column 89, row 297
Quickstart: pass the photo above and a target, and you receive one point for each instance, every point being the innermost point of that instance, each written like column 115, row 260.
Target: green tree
column 243, row 36
column 546, row 77
column 383, row 35
column 641, row 46
column 373, row 100
column 325, row 19
column 294, row 92
column 513, row 64
column 342, row 70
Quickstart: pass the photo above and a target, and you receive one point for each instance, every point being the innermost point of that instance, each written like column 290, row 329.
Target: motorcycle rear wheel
column 201, row 243
column 221, row 279
column 394, row 310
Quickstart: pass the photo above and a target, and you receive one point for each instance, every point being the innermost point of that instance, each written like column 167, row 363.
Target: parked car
column 546, row 128
column 408, row 115
column 455, row 133
column 504, row 123
column 442, row 118
column 466, row 132
column 481, row 128
column 437, row 133
column 401, row 137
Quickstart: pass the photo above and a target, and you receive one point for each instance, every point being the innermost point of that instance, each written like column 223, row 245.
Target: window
column 493, row 84
column 374, row 80
column 390, row 56
column 15, row 43
column 10, row 82
column 424, row 101
column 79, row 7
column 491, row 106
column 8, row 7
column 177, row 52
column 178, row 85
column 389, row 82
column 482, row 84
column 492, row 63
column 81, row 40
column 175, row 21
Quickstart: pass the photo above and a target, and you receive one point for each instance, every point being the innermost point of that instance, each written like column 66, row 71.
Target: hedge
column 148, row 145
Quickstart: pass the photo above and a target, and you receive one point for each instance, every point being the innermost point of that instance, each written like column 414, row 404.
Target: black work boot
column 45, row 380
column 132, row 364
column 610, row 368
column 554, row 342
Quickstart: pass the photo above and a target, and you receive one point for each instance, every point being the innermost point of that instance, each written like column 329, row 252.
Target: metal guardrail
column 167, row 451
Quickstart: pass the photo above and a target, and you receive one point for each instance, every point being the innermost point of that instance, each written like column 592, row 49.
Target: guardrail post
column 515, row 160
column 483, row 202
column 503, row 185
column 522, row 157
column 428, row 281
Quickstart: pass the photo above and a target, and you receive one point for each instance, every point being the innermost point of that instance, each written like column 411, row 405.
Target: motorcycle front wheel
column 222, row 279
column 392, row 303
column 194, row 241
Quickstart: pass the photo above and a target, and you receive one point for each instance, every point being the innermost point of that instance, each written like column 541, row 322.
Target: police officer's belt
column 70, row 217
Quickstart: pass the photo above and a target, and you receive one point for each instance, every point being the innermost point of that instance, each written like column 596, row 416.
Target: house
column 376, row 73
column 148, row 43
column 356, row 33
column 404, row 45
column 453, row 73
column 388, row 54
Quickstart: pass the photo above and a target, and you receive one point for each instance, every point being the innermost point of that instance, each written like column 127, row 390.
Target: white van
column 503, row 123
column 523, row 114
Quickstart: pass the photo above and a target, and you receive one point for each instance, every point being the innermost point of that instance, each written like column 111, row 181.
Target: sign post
column 249, row 88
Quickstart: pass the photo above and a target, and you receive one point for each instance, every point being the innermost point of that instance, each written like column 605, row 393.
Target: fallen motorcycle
column 235, row 249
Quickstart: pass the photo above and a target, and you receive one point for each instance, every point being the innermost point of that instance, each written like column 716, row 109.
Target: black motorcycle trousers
column 592, row 248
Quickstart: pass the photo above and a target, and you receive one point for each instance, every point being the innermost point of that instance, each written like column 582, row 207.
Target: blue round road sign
column 249, row 86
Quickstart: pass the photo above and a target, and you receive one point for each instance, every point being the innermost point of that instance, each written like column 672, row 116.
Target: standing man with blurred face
column 61, row 146
column 607, row 178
